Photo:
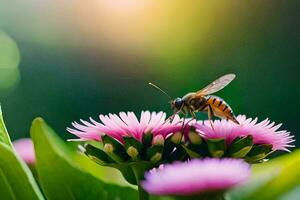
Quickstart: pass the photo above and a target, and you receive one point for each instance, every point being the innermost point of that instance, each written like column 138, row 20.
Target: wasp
column 203, row 101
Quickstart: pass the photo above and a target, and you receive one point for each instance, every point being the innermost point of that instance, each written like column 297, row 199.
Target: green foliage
column 4, row 137
column 258, row 153
column 240, row 146
column 216, row 147
column 16, row 180
column 276, row 179
column 61, row 177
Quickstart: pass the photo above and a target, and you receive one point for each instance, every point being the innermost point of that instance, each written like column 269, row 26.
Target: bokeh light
column 9, row 63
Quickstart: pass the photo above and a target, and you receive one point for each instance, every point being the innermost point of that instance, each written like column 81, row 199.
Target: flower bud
column 132, row 152
column 108, row 148
column 158, row 140
column 133, row 147
column 154, row 153
column 176, row 138
column 114, row 149
column 194, row 138
column 157, row 157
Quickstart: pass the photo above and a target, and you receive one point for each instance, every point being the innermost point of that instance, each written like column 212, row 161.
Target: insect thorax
column 197, row 104
column 187, row 97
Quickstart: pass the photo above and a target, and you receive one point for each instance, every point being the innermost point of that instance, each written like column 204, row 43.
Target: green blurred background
column 66, row 60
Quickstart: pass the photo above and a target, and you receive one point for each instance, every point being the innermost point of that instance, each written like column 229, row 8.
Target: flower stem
column 139, row 170
column 205, row 196
column 143, row 195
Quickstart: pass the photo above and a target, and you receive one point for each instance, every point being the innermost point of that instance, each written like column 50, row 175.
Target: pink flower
column 25, row 150
column 196, row 177
column 118, row 126
column 264, row 132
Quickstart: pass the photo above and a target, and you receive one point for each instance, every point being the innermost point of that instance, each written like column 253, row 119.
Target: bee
column 203, row 101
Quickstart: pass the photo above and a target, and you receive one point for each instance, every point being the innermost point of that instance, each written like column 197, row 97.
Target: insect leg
column 210, row 113
column 193, row 116
column 172, row 117
column 183, row 124
column 183, row 121
column 187, row 123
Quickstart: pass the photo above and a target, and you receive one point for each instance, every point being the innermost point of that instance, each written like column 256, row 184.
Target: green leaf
column 107, row 174
column 127, row 172
column 216, row 147
column 132, row 142
column 4, row 137
column 147, row 140
column 114, row 149
column 127, row 169
column 97, row 155
column 240, row 147
column 258, row 153
column 16, row 180
column 133, row 148
column 190, row 151
column 154, row 153
column 292, row 194
column 61, row 177
column 275, row 179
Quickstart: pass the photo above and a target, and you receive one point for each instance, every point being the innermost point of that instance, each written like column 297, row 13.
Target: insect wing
column 217, row 85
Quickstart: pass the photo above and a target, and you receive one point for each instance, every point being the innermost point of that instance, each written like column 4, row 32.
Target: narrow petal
column 125, row 124
column 264, row 132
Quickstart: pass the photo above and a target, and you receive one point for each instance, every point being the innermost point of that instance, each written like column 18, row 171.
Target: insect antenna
column 158, row 88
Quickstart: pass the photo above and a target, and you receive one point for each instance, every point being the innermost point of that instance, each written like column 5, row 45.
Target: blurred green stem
column 143, row 195
column 139, row 175
column 205, row 196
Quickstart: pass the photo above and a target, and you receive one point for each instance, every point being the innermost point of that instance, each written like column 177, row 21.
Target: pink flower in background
column 264, row 132
column 24, row 148
column 126, row 124
column 196, row 177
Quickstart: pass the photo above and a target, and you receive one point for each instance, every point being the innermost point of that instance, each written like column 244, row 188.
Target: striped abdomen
column 220, row 108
